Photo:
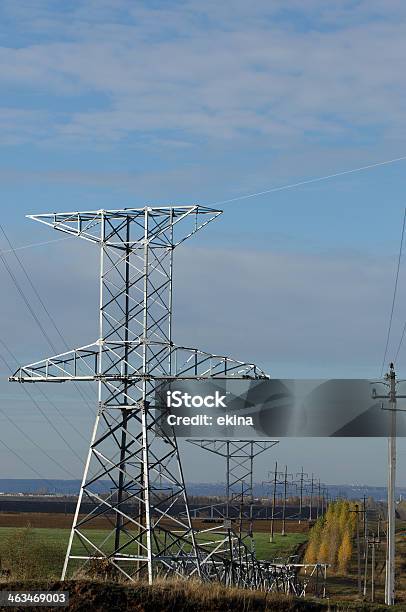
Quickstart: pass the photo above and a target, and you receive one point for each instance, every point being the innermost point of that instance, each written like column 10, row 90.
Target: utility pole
column 285, row 482
column 301, row 474
column 358, row 553
column 366, row 571
column 311, row 499
column 364, row 511
column 373, row 543
column 358, row 512
column 377, row 542
column 318, row 501
column 323, row 500
column 273, row 501
column 373, row 571
column 390, row 553
column 365, row 521
column 279, row 478
column 392, row 398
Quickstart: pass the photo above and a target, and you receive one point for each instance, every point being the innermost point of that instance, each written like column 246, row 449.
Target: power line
column 26, row 302
column 55, row 429
column 41, row 301
column 394, row 295
column 35, row 317
column 28, row 437
column 35, row 244
column 28, row 465
column 48, row 399
column 400, row 342
column 308, row 181
column 21, row 291
column 33, row 287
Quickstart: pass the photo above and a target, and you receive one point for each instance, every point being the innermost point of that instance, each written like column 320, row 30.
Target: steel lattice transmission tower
column 129, row 447
column 239, row 456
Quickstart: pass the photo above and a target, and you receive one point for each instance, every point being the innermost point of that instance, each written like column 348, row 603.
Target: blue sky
column 114, row 103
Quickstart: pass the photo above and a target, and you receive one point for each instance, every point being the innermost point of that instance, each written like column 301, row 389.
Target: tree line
column 331, row 538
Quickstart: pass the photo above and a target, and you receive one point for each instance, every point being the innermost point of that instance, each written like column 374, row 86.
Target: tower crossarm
column 239, row 449
column 87, row 224
column 193, row 363
column 78, row 364
column 84, row 364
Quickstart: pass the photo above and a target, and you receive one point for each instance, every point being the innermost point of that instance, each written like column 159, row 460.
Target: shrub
column 26, row 556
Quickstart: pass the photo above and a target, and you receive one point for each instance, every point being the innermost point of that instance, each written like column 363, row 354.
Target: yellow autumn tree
column 324, row 551
column 328, row 536
column 330, row 539
column 352, row 517
column 345, row 552
column 344, row 517
column 334, row 541
column 312, row 552
column 313, row 547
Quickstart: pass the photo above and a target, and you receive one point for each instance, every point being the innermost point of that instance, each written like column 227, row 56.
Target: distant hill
column 61, row 487
column 347, row 491
column 71, row 487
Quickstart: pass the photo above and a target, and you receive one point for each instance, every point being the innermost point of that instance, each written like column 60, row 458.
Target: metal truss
column 236, row 533
column 131, row 526
column 297, row 579
column 83, row 364
column 239, row 456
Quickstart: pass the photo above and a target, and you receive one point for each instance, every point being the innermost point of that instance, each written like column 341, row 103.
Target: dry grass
column 182, row 596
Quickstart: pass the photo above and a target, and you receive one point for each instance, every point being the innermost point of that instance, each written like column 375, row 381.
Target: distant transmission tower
column 130, row 455
column 239, row 456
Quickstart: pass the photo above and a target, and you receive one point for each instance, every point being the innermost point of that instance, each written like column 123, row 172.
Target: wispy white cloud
column 211, row 71
column 19, row 125
column 210, row 79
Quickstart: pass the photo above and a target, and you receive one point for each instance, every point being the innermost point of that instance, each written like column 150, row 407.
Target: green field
column 41, row 550
column 282, row 546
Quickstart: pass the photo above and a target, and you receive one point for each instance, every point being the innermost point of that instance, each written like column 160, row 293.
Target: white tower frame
column 134, row 350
